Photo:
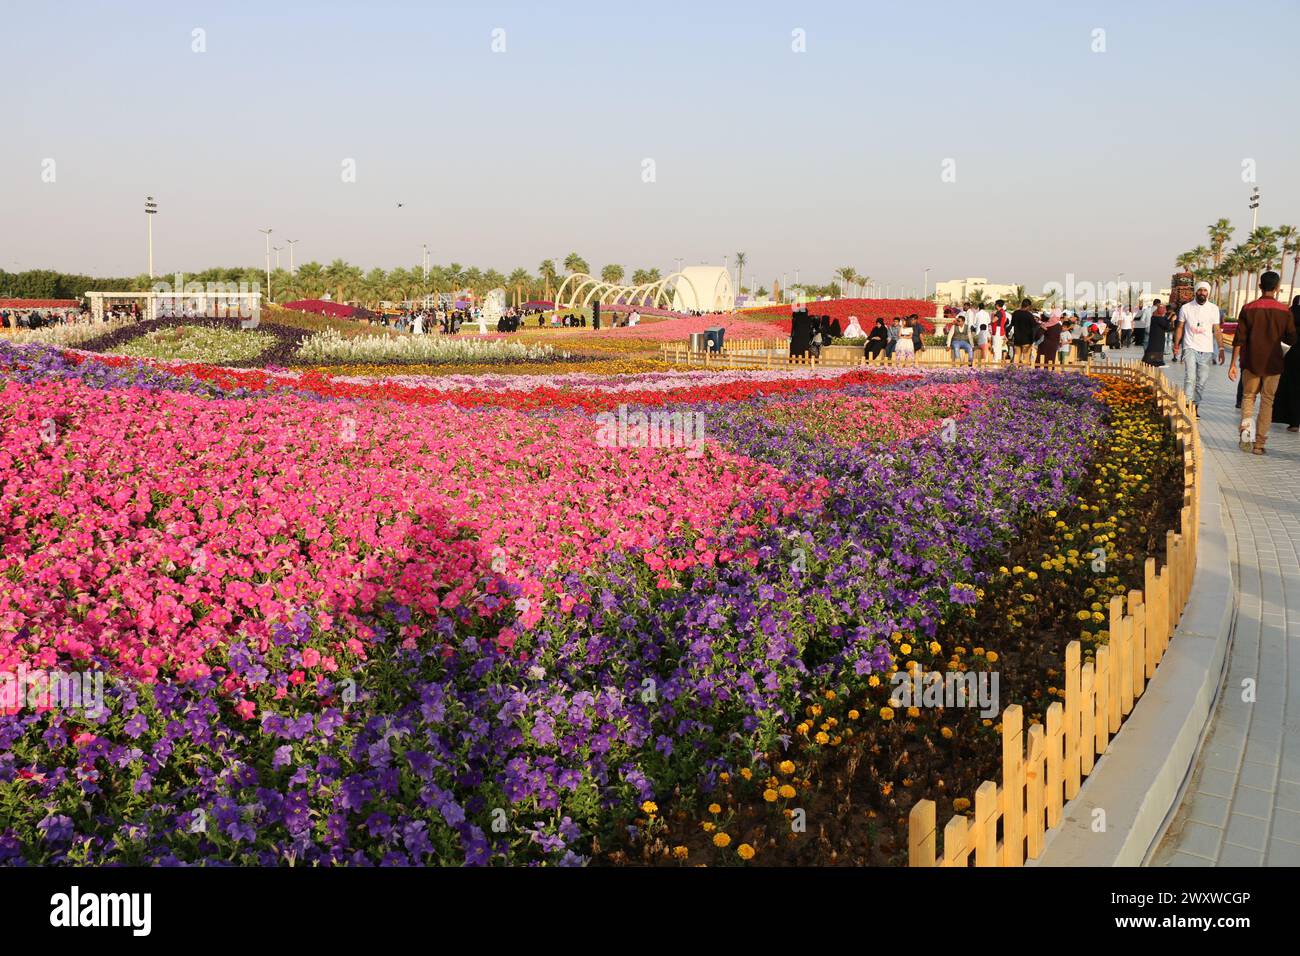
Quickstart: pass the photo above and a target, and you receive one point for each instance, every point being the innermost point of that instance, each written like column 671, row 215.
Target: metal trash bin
column 699, row 341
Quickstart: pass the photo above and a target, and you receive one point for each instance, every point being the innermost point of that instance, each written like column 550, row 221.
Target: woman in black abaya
column 1286, row 407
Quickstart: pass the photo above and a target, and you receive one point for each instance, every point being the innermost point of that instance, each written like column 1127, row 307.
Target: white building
column 957, row 291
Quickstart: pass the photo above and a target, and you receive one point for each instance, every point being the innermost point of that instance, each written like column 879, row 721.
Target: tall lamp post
column 926, row 284
column 1254, row 209
column 150, row 210
column 267, row 233
column 277, row 249
column 290, row 243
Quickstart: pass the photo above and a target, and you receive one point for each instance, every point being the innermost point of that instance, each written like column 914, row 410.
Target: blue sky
column 1066, row 159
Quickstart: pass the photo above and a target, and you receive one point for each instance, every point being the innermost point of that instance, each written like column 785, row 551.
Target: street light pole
column 150, row 210
column 267, row 233
column 291, row 242
column 926, row 286
column 1254, row 209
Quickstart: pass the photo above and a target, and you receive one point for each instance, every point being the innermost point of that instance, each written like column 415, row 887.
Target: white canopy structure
column 706, row 288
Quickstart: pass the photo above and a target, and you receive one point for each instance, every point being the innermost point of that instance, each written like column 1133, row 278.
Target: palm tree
column 575, row 263
column 1262, row 250
column 612, row 274
column 741, row 259
column 1233, row 265
column 1287, row 237
column 845, row 274
column 549, row 276
column 1295, row 262
column 311, row 279
column 1186, row 262
column 343, row 279
column 1264, row 240
column 640, row 277
column 520, row 281
column 1220, row 232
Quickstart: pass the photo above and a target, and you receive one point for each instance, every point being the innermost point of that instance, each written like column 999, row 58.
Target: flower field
column 464, row 619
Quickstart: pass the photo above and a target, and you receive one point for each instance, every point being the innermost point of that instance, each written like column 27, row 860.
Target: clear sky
column 1065, row 159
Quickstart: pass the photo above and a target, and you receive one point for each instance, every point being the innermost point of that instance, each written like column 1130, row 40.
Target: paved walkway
column 1242, row 805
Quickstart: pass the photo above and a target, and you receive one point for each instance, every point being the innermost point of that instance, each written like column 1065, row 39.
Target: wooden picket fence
column 1044, row 766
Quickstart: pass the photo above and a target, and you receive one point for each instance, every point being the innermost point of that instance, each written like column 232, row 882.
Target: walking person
column 1286, row 407
column 1154, row 353
column 1262, row 328
column 1023, row 327
column 1050, row 343
column 1198, row 337
column 1125, row 327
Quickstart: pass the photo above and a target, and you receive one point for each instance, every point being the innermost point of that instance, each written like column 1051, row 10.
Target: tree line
column 1239, row 267
column 341, row 280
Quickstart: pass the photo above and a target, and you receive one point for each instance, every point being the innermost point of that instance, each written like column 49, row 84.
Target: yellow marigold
column 935, row 648
column 747, row 773
column 991, row 657
column 709, row 827
column 714, row 808
column 905, row 648
column 680, row 852
column 786, row 766
column 914, row 711
column 821, row 737
column 873, row 681
column 745, row 851
column 769, row 795
column 947, row 733
column 830, row 695
column 650, row 807
column 721, row 840
column 886, row 713
column 724, row 777
column 787, row 791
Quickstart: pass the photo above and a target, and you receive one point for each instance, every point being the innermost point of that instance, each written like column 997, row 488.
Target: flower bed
column 189, row 343
column 331, row 347
column 855, row 765
column 358, row 622
column 224, row 341
column 66, row 335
